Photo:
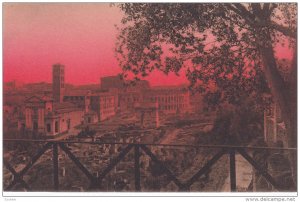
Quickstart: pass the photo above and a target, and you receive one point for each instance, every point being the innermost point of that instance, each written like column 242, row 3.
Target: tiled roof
column 77, row 92
column 39, row 98
column 103, row 94
column 64, row 107
column 47, row 98
column 13, row 100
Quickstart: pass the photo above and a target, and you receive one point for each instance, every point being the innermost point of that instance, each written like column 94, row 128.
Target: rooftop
column 64, row 107
column 38, row 98
column 103, row 94
column 77, row 92
column 13, row 99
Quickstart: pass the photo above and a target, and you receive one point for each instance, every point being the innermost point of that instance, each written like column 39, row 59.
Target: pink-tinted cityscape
column 149, row 97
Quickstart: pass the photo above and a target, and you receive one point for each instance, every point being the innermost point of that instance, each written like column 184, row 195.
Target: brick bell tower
column 58, row 82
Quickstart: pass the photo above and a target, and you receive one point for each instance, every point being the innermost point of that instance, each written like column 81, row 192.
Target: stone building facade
column 103, row 104
column 274, row 127
column 276, row 161
column 48, row 118
column 171, row 100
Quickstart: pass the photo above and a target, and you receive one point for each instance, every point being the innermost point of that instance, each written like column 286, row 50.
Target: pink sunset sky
column 79, row 35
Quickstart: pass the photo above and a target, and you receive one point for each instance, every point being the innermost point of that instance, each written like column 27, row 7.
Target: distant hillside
column 43, row 86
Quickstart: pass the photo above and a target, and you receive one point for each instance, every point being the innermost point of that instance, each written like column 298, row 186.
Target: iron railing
column 138, row 148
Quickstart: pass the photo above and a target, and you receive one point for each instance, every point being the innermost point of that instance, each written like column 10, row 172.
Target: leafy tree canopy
column 219, row 46
column 227, row 50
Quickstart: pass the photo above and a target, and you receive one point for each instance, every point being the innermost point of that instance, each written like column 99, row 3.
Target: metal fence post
column 232, row 170
column 137, row 168
column 55, row 166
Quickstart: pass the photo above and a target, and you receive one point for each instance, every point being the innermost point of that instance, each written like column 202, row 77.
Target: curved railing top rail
column 150, row 144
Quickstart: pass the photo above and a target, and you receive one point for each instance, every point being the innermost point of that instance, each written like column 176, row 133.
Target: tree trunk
column 286, row 97
column 293, row 113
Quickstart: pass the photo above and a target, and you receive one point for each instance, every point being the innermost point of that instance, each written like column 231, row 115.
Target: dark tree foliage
column 226, row 50
column 217, row 48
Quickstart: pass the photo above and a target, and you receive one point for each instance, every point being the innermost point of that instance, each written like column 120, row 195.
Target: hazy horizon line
column 67, row 83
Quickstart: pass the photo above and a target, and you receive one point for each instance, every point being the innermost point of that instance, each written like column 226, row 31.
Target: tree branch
column 244, row 10
column 245, row 15
column 257, row 10
column 272, row 7
column 284, row 30
column 266, row 7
